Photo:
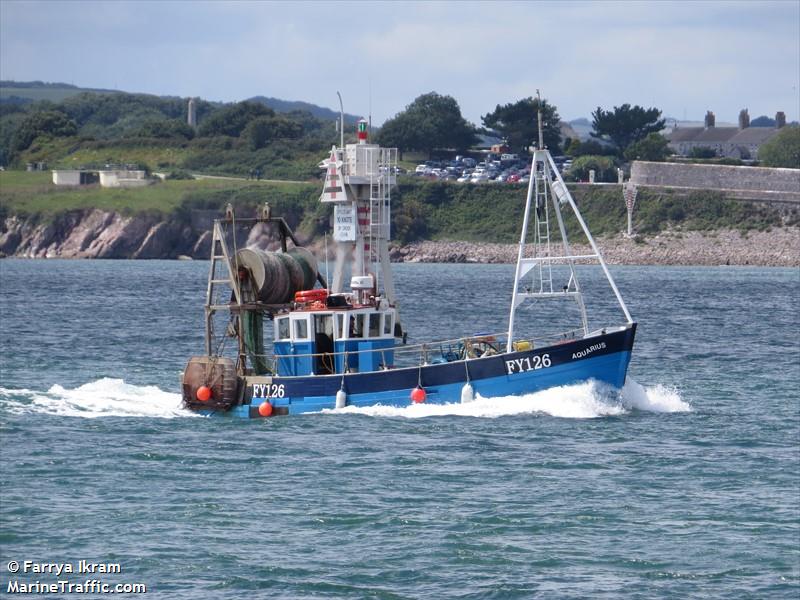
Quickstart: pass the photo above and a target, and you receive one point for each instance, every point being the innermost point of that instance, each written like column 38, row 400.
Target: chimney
column 744, row 119
column 780, row 119
column 709, row 119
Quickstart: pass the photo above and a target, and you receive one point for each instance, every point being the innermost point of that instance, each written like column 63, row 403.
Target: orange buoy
column 203, row 393
column 418, row 395
column 265, row 409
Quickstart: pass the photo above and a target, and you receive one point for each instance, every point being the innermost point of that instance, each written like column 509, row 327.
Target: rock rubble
column 777, row 247
column 95, row 233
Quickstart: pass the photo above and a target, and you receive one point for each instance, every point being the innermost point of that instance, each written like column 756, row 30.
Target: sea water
column 684, row 484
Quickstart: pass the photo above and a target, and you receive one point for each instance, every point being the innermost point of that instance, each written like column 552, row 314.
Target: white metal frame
column 546, row 184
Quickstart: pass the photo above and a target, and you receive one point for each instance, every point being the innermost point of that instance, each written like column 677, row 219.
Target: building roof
column 754, row 135
column 733, row 135
column 683, row 134
column 716, row 134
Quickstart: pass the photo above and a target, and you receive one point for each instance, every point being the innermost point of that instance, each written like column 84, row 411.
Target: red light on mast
column 362, row 131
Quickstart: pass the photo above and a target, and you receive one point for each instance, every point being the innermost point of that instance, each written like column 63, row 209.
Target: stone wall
column 758, row 182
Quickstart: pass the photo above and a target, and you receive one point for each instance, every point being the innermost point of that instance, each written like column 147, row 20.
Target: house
column 732, row 142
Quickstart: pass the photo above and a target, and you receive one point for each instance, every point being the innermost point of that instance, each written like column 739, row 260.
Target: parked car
column 479, row 177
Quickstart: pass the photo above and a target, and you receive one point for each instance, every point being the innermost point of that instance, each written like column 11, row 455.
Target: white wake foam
column 115, row 398
column 102, row 398
column 589, row 400
column 656, row 398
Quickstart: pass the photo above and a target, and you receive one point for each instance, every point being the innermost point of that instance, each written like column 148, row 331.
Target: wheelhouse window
column 374, row 325
column 301, row 329
column 357, row 325
column 387, row 324
column 283, row 328
column 340, row 333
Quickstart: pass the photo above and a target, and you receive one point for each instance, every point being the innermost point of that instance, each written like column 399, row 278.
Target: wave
column 102, row 398
column 114, row 398
column 589, row 400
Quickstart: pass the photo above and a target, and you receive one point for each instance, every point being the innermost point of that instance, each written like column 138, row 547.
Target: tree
column 654, row 147
column 518, row 123
column 165, row 128
column 577, row 148
column 48, row 122
column 783, row 150
column 573, row 147
column 259, row 132
column 762, row 121
column 232, row 119
column 431, row 121
column 399, row 132
column 626, row 124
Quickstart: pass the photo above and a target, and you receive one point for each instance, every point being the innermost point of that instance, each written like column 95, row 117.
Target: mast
column 358, row 182
column 546, row 191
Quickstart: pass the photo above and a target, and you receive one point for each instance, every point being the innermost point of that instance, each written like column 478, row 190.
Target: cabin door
column 323, row 339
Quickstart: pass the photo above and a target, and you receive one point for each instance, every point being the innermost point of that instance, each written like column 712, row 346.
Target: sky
column 682, row 57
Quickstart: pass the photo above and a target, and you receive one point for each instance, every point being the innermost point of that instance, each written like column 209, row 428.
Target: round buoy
column 265, row 409
column 418, row 395
column 203, row 393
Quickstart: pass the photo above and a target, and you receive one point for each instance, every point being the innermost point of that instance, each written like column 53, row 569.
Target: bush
column 605, row 169
column 179, row 174
column 783, row 150
column 702, row 152
column 165, row 128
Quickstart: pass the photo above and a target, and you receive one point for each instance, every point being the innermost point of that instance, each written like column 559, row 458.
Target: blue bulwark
column 375, row 355
column 294, row 358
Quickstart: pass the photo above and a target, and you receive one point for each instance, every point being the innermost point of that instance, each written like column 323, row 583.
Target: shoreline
column 98, row 234
column 779, row 247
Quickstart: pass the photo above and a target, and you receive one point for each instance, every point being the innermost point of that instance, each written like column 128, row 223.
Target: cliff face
column 101, row 234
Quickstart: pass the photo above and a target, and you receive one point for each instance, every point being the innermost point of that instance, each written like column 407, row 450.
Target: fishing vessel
column 342, row 343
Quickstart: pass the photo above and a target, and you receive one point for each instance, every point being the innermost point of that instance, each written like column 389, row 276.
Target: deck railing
column 427, row 353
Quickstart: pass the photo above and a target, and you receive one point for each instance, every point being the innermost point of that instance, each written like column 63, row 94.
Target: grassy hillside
column 421, row 210
column 34, row 193
column 35, row 91
column 437, row 210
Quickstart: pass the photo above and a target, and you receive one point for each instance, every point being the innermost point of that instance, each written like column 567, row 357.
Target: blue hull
column 603, row 358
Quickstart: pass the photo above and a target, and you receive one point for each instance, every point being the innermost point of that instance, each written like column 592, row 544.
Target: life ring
column 311, row 295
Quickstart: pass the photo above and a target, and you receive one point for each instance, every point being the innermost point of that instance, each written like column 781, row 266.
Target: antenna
column 369, row 82
column 327, row 278
column 341, row 119
column 539, row 119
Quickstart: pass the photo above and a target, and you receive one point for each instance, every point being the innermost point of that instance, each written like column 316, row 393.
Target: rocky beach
column 102, row 234
column 774, row 248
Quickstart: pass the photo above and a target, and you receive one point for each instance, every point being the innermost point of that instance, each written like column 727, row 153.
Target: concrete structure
column 191, row 113
column 734, row 142
column 752, row 183
column 123, row 178
column 74, row 177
